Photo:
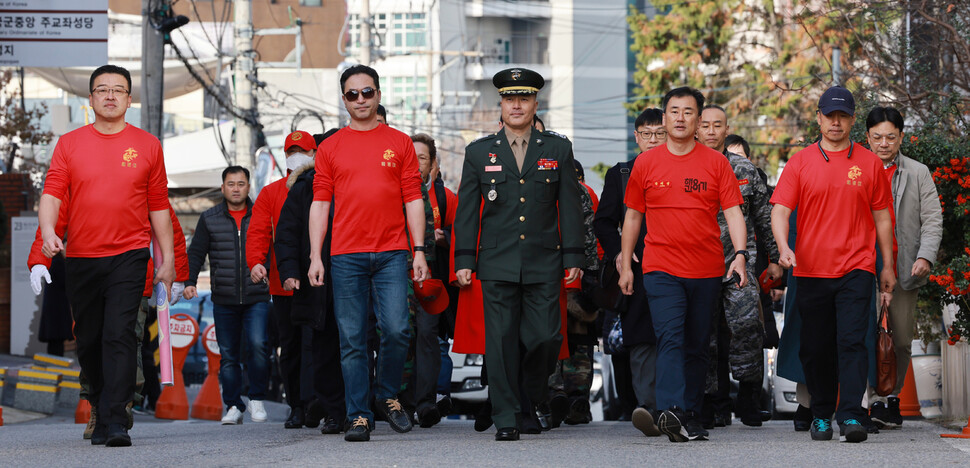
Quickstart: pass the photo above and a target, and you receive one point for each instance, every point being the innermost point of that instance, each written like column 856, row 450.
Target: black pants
column 328, row 379
column 835, row 319
column 290, row 340
column 105, row 293
column 427, row 358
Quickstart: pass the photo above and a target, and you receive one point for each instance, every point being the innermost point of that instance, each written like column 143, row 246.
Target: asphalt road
column 56, row 442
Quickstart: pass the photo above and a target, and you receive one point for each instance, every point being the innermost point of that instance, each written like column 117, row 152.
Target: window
column 407, row 93
column 409, row 32
column 377, row 30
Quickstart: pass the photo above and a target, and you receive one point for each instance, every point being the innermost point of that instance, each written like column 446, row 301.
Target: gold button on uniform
column 557, row 247
column 522, row 237
column 547, row 181
column 493, row 181
column 522, row 218
column 521, row 181
column 522, row 199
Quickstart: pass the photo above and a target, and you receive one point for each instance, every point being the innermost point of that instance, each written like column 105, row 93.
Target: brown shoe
column 89, row 429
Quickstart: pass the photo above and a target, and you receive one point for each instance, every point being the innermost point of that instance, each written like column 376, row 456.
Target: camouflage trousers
column 742, row 316
column 574, row 375
column 139, row 372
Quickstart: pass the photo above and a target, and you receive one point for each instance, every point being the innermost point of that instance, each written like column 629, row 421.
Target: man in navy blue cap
column 843, row 199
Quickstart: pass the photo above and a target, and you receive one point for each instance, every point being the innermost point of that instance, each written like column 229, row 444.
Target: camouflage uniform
column 742, row 306
column 574, row 375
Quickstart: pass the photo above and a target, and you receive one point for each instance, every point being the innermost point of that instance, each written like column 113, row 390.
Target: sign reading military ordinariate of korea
column 53, row 33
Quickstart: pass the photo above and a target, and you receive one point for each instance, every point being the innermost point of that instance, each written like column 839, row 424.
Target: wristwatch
column 747, row 255
column 421, row 248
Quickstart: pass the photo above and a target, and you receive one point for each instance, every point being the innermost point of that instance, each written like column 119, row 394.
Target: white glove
column 36, row 273
column 177, row 288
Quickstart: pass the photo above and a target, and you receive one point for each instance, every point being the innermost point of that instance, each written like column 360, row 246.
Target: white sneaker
column 233, row 416
column 257, row 411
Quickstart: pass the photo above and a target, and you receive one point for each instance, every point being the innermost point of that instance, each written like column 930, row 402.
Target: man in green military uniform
column 518, row 189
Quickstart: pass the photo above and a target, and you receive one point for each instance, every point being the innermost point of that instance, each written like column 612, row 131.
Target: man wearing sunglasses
column 113, row 168
column 372, row 170
column 518, row 225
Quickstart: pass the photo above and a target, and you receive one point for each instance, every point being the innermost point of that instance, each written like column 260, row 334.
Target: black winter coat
column 217, row 236
column 636, row 320
column 292, row 248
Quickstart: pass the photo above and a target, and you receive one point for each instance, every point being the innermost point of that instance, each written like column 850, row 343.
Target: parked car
column 467, row 392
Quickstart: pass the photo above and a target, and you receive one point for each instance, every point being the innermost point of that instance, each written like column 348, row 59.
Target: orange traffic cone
column 208, row 404
column 83, row 412
column 963, row 435
column 173, row 403
column 908, row 401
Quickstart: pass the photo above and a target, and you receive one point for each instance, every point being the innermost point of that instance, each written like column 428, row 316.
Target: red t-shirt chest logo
column 661, row 184
column 389, row 159
column 128, row 158
column 854, row 174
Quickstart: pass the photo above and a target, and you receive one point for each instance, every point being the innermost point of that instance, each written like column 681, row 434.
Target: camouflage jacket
column 592, row 259
column 757, row 212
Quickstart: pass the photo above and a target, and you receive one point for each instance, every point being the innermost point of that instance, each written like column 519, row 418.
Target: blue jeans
column 382, row 278
column 232, row 321
column 682, row 310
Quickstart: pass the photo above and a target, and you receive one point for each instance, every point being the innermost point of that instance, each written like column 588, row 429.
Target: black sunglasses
column 352, row 94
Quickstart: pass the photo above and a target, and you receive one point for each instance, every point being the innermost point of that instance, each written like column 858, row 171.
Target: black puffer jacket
column 292, row 248
column 216, row 235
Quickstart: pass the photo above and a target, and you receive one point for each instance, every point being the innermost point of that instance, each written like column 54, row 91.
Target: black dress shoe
column 314, row 413
column 117, row 436
column 559, row 405
column 100, row 434
column 507, row 433
column 330, row 426
column 483, row 419
column 802, row 419
column 296, row 419
column 429, row 416
column 529, row 424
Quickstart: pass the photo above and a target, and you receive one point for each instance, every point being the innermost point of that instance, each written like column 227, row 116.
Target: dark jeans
column 427, row 358
column 835, row 319
column 233, row 324
column 380, row 277
column 682, row 310
column 105, row 293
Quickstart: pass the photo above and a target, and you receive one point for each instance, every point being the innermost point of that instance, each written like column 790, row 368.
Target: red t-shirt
column 112, row 182
column 371, row 175
column 835, row 200
column 238, row 215
column 261, row 233
column 679, row 197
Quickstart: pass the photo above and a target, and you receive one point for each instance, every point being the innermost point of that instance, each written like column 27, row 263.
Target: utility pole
column 152, row 72
column 243, row 95
column 365, row 32
column 836, row 66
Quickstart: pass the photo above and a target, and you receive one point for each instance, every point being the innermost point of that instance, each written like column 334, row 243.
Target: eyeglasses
column 660, row 134
column 352, row 94
column 890, row 138
column 104, row 91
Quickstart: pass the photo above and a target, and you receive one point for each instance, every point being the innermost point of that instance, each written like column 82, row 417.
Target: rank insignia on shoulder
column 486, row 137
column 550, row 132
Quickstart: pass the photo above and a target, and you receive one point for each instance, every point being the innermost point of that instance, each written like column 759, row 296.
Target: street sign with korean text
column 53, row 33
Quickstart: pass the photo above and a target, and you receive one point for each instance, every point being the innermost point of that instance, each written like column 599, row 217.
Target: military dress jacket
column 531, row 222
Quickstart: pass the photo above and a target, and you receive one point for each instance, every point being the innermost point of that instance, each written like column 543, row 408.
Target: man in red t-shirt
column 299, row 147
column 678, row 188
column 842, row 196
column 372, row 171
column 114, row 169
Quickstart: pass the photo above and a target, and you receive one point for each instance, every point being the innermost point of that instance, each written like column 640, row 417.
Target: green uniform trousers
column 522, row 323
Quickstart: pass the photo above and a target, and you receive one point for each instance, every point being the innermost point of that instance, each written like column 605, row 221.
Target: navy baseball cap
column 836, row 98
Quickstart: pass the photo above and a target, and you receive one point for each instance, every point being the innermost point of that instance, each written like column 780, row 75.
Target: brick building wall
column 16, row 195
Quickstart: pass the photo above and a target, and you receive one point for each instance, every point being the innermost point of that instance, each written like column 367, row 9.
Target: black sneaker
column 895, row 417
column 867, row 422
column 444, row 405
column 822, row 429
column 695, row 429
column 851, row 430
column 394, row 414
column 359, row 431
column 643, row 420
column 100, row 434
column 670, row 424
column 117, row 436
column 314, row 413
column 330, row 426
column 802, row 419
